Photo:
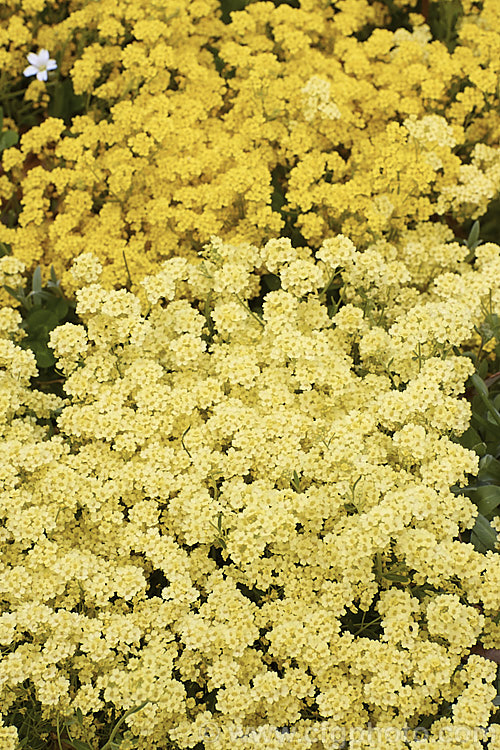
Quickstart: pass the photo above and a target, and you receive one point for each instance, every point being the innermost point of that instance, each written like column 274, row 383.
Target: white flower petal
column 30, row 71
column 42, row 75
column 51, row 65
column 43, row 57
column 33, row 58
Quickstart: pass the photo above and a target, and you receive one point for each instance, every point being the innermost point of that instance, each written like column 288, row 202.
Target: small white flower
column 40, row 65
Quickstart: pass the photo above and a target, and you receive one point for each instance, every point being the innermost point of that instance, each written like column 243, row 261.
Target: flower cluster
column 235, row 493
column 193, row 127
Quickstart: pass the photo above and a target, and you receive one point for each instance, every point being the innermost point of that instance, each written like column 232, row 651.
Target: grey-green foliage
column 8, row 138
column 42, row 308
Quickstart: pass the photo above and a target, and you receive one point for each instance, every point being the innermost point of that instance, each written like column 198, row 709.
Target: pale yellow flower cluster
column 230, row 489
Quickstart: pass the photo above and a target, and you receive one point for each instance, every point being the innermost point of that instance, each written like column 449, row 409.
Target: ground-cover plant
column 249, row 495
column 287, row 119
column 244, row 519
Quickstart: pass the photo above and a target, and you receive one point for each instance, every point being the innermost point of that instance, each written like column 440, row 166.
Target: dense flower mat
column 190, row 127
column 233, row 442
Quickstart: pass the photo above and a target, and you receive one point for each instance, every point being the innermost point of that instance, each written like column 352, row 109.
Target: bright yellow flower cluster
column 193, row 128
column 231, row 491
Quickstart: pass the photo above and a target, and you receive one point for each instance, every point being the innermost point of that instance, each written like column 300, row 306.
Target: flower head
column 40, row 65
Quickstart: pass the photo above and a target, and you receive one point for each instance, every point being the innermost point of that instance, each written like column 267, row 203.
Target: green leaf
column 488, row 329
column 483, row 536
column 54, row 284
column 493, row 415
column 396, row 577
column 482, row 394
column 482, row 369
column 57, row 305
column 277, row 200
column 473, row 238
column 44, row 357
column 8, row 139
column 41, row 318
column 1, row 117
column 64, row 103
column 487, row 499
column 479, row 385
column 36, row 283
column 492, row 321
column 489, row 470
column 271, row 282
column 471, row 440
column 18, row 293
column 78, row 744
column 109, row 743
